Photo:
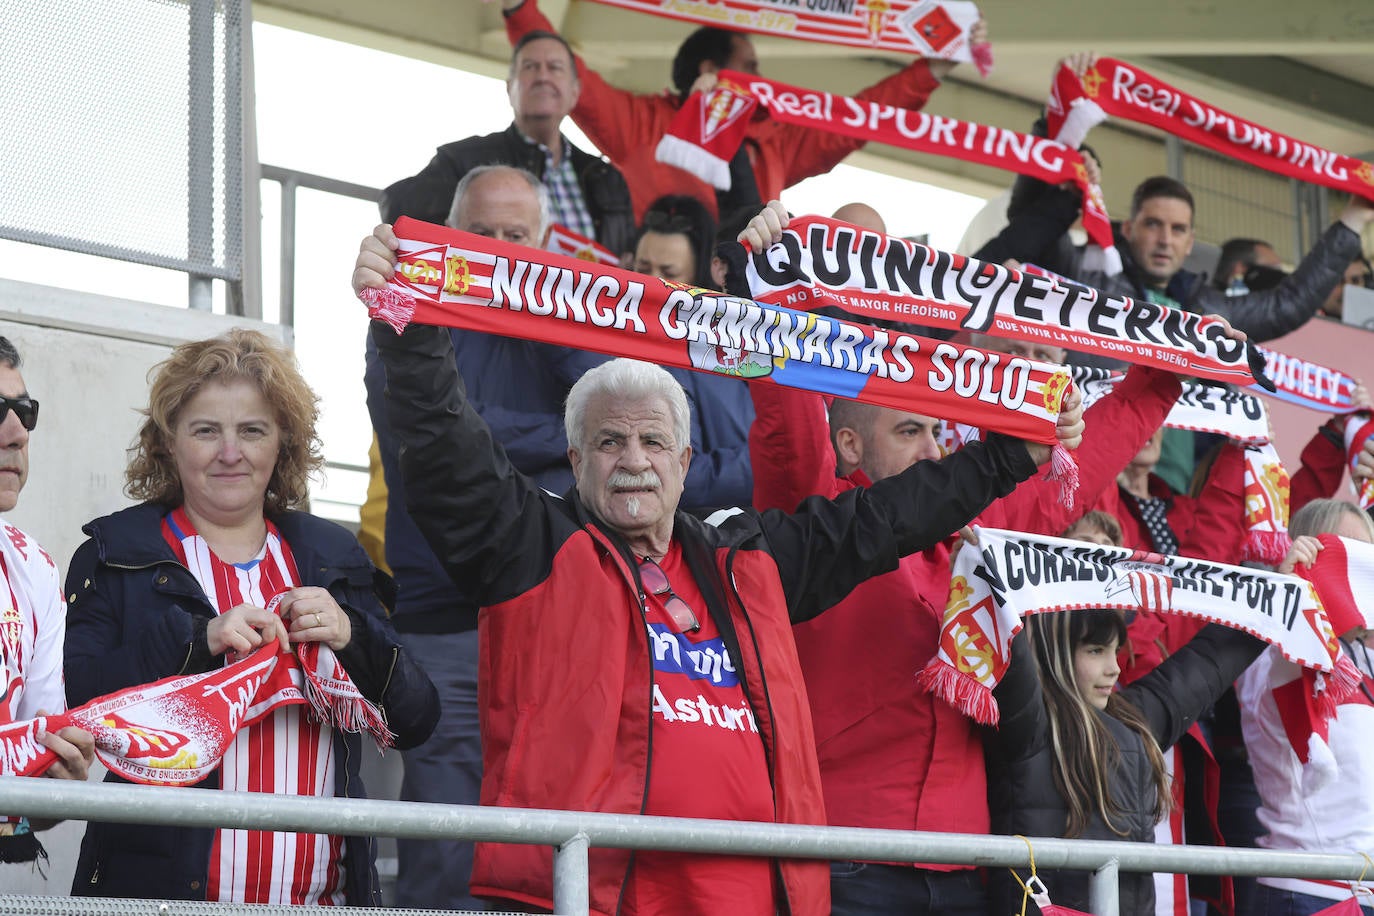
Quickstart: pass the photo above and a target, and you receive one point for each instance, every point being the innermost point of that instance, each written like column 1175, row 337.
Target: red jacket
column 627, row 127
column 1323, row 468
column 565, row 675
column 892, row 756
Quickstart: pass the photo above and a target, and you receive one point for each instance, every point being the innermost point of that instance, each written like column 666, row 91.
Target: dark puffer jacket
column 429, row 195
column 135, row 614
column 1022, row 793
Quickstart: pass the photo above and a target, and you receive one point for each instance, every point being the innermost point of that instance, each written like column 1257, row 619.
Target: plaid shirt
column 569, row 209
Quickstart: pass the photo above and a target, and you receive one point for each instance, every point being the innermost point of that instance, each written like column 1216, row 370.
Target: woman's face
column 224, row 445
column 666, row 255
column 1095, row 672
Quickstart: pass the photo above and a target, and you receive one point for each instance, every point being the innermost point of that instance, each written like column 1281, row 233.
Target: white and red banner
column 564, row 241
column 1201, row 408
column 1011, row 574
column 1111, row 88
column 1308, row 384
column 173, row 732
column 454, row 279
column 1359, row 429
column 821, row 261
column 936, row 29
column 874, row 122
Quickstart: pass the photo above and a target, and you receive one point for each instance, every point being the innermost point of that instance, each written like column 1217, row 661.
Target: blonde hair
column 239, row 354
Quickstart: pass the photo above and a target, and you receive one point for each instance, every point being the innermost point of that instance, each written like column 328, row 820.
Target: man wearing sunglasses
column 32, row 616
column 636, row 659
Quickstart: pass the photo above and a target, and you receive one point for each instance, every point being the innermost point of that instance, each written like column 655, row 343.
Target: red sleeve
column 789, row 448
column 789, row 153
column 1323, row 469
column 1211, row 526
column 615, row 120
column 1115, row 429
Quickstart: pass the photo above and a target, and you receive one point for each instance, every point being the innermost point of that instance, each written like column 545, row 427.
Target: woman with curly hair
column 181, row 584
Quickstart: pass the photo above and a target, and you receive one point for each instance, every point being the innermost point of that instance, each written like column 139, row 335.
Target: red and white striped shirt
column 286, row 753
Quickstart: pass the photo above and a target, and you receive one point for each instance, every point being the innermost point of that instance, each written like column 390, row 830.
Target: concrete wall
column 86, row 359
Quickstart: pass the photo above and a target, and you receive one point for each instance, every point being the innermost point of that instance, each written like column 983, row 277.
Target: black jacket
column 1022, row 795
column 136, row 615
column 429, row 195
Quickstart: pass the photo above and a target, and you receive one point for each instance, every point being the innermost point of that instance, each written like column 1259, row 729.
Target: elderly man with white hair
column 634, row 658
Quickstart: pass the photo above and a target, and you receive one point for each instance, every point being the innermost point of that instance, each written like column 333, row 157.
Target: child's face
column 1095, row 672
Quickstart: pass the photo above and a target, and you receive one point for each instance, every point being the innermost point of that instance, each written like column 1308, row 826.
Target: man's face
column 543, row 83
column 501, row 206
column 630, row 468
column 1026, row 349
column 743, row 57
column 14, row 442
column 1356, row 273
column 1148, row 456
column 1160, row 236
column 896, row 441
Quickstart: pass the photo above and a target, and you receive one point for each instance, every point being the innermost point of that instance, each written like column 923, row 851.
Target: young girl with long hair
column 1075, row 757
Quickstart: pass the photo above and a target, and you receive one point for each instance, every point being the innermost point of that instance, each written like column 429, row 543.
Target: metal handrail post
column 572, row 877
column 1104, row 890
column 287, row 314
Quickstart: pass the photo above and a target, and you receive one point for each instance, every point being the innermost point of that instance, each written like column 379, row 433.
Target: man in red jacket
column 636, row 659
column 627, row 127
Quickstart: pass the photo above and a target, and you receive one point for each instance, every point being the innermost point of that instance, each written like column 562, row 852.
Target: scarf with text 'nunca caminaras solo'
column 453, row 279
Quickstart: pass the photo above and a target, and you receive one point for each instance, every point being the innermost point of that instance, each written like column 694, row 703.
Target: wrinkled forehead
column 619, row 414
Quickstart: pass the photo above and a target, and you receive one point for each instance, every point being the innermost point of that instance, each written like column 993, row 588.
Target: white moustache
column 623, row 480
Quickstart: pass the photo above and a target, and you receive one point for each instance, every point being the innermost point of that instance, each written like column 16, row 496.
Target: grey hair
column 540, row 191
column 9, row 354
column 1321, row 516
column 631, row 380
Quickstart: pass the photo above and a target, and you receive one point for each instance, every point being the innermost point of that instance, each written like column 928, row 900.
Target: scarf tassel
column 351, row 714
column 1064, row 469
column 389, row 305
column 1266, row 547
column 965, row 694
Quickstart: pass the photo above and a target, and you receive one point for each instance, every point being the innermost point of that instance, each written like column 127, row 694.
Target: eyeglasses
column 656, row 581
column 26, row 409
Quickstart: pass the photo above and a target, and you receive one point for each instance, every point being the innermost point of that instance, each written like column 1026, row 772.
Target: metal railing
column 571, row 834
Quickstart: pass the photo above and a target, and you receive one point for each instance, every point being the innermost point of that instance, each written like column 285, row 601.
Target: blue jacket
column 518, row 387
column 135, row 614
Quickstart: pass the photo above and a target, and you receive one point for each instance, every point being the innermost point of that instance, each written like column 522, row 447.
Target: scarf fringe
column 1107, row 260
column 1341, row 684
column 1084, row 114
column 1064, row 468
column 982, row 57
column 965, row 694
column 18, row 848
column 1266, row 547
column 351, row 714
column 689, row 157
column 389, row 305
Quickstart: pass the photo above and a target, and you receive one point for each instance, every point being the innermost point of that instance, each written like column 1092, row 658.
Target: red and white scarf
column 173, row 732
column 822, row 261
column 937, row 29
column 453, row 279
column 1116, row 89
column 1011, row 574
column 873, row 122
column 1307, row 384
column 564, row 241
column 1359, row 429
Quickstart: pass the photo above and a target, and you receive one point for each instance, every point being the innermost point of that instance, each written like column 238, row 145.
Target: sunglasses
column 26, row 409
column 656, row 581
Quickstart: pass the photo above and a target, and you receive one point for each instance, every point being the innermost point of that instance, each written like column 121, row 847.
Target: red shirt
column 707, row 760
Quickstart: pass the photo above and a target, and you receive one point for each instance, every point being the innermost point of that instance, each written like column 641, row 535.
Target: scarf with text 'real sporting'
column 873, row 122
column 1111, row 88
